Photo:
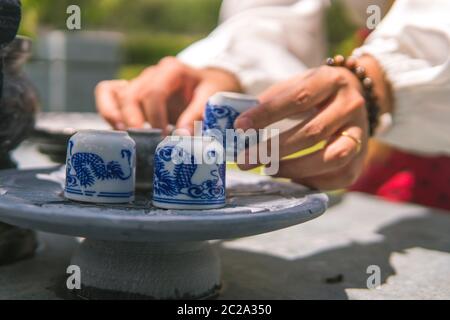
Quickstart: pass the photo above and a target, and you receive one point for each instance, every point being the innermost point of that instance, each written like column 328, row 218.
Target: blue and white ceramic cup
column 189, row 173
column 100, row 167
column 221, row 111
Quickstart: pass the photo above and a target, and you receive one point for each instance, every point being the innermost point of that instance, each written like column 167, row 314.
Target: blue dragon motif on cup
column 219, row 118
column 177, row 180
column 84, row 168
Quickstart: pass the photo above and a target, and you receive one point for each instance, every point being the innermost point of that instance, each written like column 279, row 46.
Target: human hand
column 339, row 117
column 169, row 92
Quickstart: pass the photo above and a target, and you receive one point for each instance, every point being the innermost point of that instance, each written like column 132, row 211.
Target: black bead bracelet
column 372, row 107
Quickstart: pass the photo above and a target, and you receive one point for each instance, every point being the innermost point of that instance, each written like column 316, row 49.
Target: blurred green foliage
column 340, row 30
column 156, row 28
column 149, row 47
column 178, row 16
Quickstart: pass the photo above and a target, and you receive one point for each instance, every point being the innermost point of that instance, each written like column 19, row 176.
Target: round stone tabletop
column 255, row 205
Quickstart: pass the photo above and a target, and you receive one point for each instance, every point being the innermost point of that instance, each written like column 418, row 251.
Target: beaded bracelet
column 372, row 106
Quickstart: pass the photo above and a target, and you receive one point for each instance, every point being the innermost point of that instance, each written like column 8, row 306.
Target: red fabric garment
column 409, row 178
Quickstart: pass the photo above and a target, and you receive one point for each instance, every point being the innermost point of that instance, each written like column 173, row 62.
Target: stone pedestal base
column 138, row 270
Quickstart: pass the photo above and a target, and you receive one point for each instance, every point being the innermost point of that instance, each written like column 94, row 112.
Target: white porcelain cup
column 189, row 173
column 100, row 167
column 221, row 111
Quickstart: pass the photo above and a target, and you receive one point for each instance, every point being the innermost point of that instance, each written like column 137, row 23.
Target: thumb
column 194, row 111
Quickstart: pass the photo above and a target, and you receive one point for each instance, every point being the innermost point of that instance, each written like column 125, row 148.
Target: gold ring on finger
column 356, row 140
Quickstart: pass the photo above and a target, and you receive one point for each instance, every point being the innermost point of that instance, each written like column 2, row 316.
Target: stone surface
column 326, row 258
column 156, row 244
column 411, row 245
column 255, row 205
column 42, row 277
column 16, row 243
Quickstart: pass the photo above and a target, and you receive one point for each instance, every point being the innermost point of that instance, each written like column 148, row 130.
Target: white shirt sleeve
column 263, row 41
column 412, row 44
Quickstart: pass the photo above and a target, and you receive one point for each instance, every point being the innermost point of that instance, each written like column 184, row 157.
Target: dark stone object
column 54, row 129
column 335, row 279
column 17, row 110
column 92, row 293
column 16, row 243
column 10, row 15
column 146, row 142
column 19, row 102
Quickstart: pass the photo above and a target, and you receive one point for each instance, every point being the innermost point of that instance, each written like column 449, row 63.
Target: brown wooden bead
column 339, row 60
column 351, row 63
column 360, row 72
column 367, row 82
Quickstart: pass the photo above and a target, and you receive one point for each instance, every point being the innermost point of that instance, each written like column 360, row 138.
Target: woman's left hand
column 335, row 93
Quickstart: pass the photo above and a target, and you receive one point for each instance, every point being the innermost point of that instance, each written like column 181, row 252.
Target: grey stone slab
column 411, row 244
column 27, row 156
column 29, row 202
column 328, row 258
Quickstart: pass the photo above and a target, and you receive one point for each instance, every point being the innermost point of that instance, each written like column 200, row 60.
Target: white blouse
column 265, row 41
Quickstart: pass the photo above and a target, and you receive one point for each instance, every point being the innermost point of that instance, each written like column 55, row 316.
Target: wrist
column 381, row 86
column 228, row 81
column 372, row 103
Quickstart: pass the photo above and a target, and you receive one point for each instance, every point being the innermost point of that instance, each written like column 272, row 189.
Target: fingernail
column 120, row 126
column 243, row 123
column 182, row 131
column 185, row 132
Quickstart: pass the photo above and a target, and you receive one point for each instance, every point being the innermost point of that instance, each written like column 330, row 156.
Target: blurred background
column 118, row 38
